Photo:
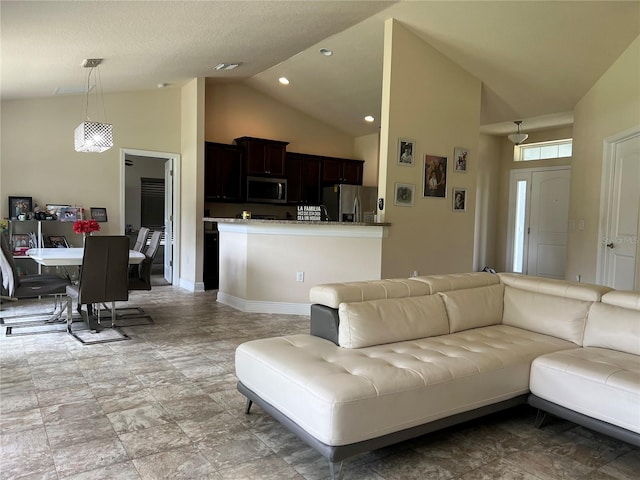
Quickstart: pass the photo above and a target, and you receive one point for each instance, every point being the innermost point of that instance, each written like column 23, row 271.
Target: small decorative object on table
column 86, row 227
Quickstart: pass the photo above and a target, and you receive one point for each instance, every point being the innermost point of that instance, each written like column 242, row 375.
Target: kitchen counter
column 268, row 266
column 254, row 221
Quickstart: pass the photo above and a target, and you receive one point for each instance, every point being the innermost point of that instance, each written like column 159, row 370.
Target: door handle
column 610, row 245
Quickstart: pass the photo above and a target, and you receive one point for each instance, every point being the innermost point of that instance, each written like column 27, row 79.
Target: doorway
column 618, row 250
column 538, row 221
column 150, row 197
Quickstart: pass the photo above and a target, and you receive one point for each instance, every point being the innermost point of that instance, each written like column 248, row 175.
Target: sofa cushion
column 333, row 294
column 474, row 307
column 623, row 298
column 457, row 281
column 341, row 396
column 558, row 288
column 613, row 327
column 597, row 382
column 376, row 322
column 547, row 314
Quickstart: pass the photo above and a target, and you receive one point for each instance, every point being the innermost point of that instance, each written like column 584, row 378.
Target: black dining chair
column 103, row 279
column 16, row 287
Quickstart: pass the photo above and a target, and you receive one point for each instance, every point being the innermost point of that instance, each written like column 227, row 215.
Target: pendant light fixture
column 518, row 138
column 93, row 136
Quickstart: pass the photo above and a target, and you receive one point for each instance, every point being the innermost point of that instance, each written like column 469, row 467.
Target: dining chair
column 16, row 287
column 141, row 240
column 103, row 279
column 140, row 279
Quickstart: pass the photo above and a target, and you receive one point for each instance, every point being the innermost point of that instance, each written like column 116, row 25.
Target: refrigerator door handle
column 356, row 209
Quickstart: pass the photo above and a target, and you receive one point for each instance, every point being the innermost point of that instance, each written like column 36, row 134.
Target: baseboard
column 255, row 306
column 191, row 286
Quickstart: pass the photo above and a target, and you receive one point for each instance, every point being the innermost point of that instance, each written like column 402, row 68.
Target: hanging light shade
column 93, row 136
column 518, row 138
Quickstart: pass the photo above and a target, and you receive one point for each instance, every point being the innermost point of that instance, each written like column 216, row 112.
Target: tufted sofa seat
column 389, row 360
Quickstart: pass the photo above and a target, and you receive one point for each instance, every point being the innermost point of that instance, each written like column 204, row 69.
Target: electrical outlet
column 414, row 273
column 300, row 277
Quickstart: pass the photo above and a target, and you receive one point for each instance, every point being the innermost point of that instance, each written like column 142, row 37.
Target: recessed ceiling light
column 226, row 66
column 369, row 119
column 326, row 52
column 284, row 80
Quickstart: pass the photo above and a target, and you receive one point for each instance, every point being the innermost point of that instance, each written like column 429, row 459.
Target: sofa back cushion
column 553, row 315
column 474, row 307
column 458, row 281
column 612, row 326
column 375, row 322
column 333, row 294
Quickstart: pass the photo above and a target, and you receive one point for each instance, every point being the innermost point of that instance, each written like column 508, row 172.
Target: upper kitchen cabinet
column 303, row 178
column 222, row 172
column 341, row 170
column 263, row 157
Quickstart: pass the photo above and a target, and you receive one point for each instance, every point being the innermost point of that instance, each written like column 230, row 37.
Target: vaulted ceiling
column 535, row 59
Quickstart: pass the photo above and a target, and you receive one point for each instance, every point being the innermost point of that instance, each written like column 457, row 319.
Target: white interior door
column 168, row 221
column 547, row 252
column 622, row 214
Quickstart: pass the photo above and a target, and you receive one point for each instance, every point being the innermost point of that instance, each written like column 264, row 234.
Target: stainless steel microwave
column 266, row 190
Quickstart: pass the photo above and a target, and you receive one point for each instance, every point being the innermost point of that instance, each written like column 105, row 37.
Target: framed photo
column 68, row 214
column 459, row 199
column 99, row 214
column 460, row 159
column 20, row 243
column 57, row 241
column 435, row 176
column 406, row 151
column 19, row 206
column 404, row 193
column 54, row 209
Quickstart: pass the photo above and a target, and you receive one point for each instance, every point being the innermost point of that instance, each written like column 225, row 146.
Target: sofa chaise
column 389, row 360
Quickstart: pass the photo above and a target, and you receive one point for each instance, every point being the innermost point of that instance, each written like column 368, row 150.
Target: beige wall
column 507, row 164
column 38, row 157
column 611, row 106
column 367, row 148
column 487, row 195
column 430, row 99
column 235, row 110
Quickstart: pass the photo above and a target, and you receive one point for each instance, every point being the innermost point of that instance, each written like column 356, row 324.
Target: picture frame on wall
column 461, row 159
column 404, row 194
column 99, row 214
column 434, row 176
column 57, row 241
column 406, row 152
column 459, row 199
column 19, row 206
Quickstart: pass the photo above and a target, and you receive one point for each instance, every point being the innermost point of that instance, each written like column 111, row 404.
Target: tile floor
column 163, row 405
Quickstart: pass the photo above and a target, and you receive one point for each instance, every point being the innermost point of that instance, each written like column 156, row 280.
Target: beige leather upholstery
column 457, row 281
column 333, row 294
column 340, row 395
column 376, row 322
column 613, row 327
column 558, row 288
column 559, row 316
column 623, row 298
column 597, row 382
column 474, row 307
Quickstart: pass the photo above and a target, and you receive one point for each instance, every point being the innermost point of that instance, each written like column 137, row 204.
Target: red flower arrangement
column 86, row 226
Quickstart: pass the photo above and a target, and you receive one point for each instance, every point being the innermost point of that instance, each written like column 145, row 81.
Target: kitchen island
column 268, row 266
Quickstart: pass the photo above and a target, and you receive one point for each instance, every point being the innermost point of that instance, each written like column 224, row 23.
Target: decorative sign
column 309, row 213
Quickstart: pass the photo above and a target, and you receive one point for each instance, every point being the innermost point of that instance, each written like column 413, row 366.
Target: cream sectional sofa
column 390, row 360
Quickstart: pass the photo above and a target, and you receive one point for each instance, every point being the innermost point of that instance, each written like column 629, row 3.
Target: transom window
column 545, row 150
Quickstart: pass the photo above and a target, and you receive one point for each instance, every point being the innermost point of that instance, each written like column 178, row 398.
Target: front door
column 619, row 248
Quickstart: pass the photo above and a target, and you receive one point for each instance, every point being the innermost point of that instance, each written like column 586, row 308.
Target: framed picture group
column 435, row 172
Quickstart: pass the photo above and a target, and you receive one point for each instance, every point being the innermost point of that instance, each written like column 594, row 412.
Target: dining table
column 67, row 257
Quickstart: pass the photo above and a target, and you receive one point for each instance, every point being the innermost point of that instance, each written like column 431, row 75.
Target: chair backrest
column 141, row 240
column 5, row 251
column 105, row 269
column 142, row 281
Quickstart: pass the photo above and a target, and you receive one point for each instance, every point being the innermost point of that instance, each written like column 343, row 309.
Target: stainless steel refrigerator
column 350, row 203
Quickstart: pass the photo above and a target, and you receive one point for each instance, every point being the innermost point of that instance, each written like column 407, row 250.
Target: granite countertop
column 256, row 221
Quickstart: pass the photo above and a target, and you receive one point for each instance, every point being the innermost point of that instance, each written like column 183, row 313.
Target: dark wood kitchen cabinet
column 341, row 170
column 303, row 178
column 263, row 157
column 222, row 172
